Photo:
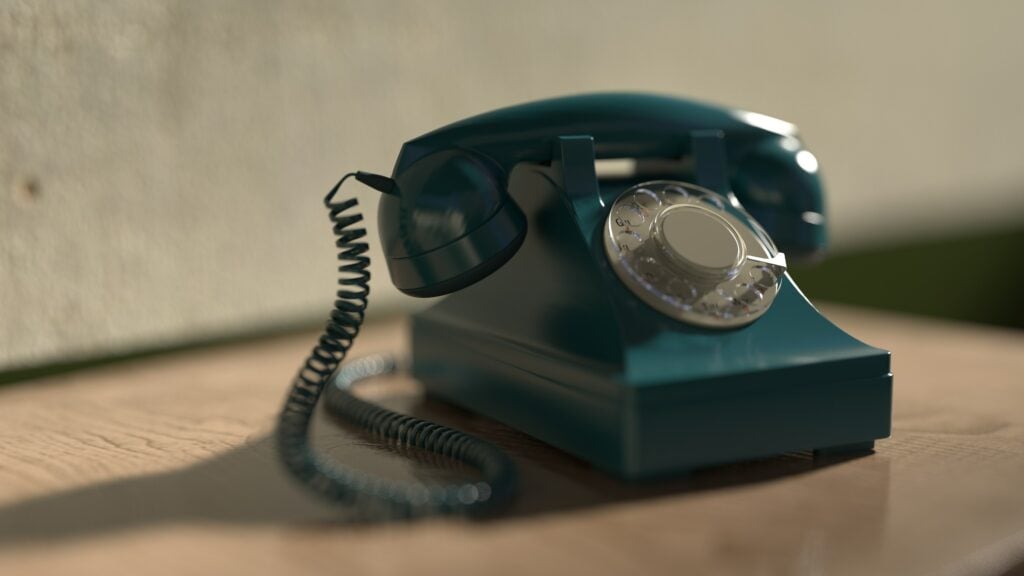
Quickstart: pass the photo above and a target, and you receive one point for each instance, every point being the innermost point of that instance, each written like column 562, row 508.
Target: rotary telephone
column 641, row 320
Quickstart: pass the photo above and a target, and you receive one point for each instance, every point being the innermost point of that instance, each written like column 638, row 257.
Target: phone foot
column 853, row 449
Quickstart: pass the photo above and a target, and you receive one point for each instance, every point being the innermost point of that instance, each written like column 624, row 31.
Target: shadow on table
column 248, row 485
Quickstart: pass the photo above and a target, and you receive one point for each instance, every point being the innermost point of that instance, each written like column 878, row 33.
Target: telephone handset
column 643, row 322
column 453, row 221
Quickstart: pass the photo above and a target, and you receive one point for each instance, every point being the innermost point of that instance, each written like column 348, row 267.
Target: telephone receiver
column 453, row 221
column 641, row 320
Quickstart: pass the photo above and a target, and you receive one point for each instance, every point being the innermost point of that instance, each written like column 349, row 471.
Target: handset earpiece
column 449, row 224
column 777, row 181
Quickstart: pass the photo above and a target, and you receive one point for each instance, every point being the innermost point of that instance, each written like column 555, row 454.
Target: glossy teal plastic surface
column 554, row 344
column 453, row 221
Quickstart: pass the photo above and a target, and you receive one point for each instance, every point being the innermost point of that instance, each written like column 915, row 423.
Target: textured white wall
column 163, row 163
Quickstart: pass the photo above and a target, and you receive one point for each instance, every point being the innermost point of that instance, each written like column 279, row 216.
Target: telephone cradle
column 642, row 320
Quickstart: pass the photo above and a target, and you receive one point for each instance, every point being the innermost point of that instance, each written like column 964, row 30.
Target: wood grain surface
column 164, row 466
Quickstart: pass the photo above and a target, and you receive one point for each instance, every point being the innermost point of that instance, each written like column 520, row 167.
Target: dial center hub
column 699, row 241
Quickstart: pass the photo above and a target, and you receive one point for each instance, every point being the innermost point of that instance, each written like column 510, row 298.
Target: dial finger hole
column 628, row 241
column 723, row 303
column 762, row 277
column 646, row 199
column 681, row 290
column 748, row 294
column 713, row 201
column 650, row 270
column 630, row 214
column 673, row 192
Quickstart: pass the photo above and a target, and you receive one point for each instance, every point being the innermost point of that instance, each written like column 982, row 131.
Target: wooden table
column 164, row 466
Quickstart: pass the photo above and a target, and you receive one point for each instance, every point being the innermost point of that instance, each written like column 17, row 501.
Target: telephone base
column 640, row 431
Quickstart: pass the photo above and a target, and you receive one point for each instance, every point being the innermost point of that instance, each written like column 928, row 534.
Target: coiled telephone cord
column 338, row 482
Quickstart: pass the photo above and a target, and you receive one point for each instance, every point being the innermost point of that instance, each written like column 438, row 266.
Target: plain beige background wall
column 163, row 163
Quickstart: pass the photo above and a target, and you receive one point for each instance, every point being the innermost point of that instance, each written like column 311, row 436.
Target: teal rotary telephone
column 642, row 321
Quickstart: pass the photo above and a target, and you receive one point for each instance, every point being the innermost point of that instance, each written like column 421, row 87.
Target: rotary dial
column 689, row 253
